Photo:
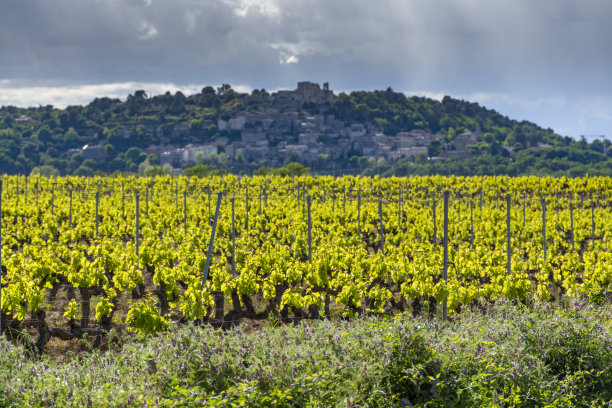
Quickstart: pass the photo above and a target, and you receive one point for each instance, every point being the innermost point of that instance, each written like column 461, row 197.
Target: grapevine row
column 81, row 256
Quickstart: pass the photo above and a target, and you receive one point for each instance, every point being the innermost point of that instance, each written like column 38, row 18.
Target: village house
column 356, row 130
column 403, row 140
column 25, row 120
column 231, row 149
column 407, row 152
column 124, row 133
column 256, row 153
column 333, row 125
column 261, row 143
column 416, row 137
column 172, row 157
column 383, row 149
column 222, row 125
column 299, row 149
column 221, row 142
column 312, row 93
column 465, row 139
column 366, row 146
column 93, row 152
column 158, row 150
column 381, row 138
column 460, row 154
column 266, row 123
column 309, row 127
column 252, row 136
column 308, row 139
column 237, row 123
column 306, row 92
column 284, row 98
column 191, row 151
column 393, row 155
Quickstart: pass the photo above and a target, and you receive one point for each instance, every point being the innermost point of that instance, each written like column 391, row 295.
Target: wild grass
column 507, row 356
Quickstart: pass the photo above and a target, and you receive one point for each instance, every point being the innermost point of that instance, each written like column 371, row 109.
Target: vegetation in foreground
column 506, row 356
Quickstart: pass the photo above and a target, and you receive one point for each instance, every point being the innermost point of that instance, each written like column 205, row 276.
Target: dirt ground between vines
column 65, row 351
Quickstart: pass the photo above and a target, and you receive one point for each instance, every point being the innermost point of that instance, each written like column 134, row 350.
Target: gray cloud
column 536, row 49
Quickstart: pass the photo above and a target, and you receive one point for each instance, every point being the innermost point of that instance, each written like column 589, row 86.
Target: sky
column 546, row 61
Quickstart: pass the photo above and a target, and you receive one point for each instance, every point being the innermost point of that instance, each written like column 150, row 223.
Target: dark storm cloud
column 513, row 48
column 408, row 43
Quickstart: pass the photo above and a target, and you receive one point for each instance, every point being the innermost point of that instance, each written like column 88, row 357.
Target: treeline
column 40, row 139
column 394, row 112
column 578, row 159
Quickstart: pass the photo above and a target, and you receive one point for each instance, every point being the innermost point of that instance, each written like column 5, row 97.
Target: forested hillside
column 47, row 140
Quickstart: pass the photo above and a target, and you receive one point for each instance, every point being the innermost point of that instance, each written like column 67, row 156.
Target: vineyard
column 81, row 256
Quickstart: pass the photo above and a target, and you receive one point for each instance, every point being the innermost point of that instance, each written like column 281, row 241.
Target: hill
column 377, row 132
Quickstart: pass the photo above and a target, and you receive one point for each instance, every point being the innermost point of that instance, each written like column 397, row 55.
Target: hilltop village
column 288, row 130
column 222, row 130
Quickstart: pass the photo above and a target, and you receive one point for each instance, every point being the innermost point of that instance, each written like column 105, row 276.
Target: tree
column 76, row 160
column 202, row 170
column 133, row 154
column 225, row 90
column 158, row 171
column 322, row 160
column 44, row 134
column 240, row 158
column 200, row 157
column 222, row 159
column 84, row 171
column 363, row 162
column 354, row 161
column 109, row 151
column 434, row 148
column 30, row 150
column 7, row 121
column 292, row 156
column 153, row 159
column 46, row 171
column 71, row 139
column 293, row 169
column 52, row 152
column 139, row 95
column 196, row 127
column 421, row 158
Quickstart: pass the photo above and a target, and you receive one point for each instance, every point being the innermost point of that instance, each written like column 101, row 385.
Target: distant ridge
column 369, row 132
